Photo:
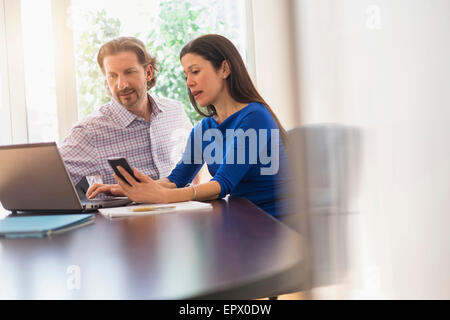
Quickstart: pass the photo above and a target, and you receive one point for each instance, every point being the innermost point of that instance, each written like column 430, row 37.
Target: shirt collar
column 156, row 107
column 124, row 117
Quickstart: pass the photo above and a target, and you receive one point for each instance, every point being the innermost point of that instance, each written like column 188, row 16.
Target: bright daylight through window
column 164, row 26
column 39, row 71
column 49, row 82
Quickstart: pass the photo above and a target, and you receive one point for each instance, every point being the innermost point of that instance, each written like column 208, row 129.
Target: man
column 149, row 132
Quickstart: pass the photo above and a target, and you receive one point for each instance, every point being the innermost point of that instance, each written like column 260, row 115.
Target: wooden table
column 235, row 251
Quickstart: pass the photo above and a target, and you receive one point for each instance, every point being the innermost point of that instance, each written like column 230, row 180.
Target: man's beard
column 139, row 98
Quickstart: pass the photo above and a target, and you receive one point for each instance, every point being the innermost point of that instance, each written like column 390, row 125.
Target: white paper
column 179, row 206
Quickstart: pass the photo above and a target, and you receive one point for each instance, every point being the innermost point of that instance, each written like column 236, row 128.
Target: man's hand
column 108, row 189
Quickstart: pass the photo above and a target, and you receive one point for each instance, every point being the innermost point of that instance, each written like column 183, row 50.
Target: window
column 49, row 76
column 164, row 26
column 5, row 126
column 39, row 70
column 12, row 102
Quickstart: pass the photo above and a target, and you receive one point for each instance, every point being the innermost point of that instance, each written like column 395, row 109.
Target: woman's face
column 206, row 84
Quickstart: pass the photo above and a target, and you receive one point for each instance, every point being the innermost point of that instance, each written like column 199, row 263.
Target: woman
column 240, row 138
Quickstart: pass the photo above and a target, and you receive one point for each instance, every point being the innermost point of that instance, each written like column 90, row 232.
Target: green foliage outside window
column 178, row 23
column 90, row 80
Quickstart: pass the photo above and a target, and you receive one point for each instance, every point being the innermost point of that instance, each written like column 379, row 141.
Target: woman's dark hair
column 216, row 49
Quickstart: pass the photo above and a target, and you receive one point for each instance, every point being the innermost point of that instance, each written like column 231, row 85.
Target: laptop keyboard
column 104, row 203
column 93, row 201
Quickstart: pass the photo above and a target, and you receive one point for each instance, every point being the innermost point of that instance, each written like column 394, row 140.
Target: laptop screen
column 33, row 177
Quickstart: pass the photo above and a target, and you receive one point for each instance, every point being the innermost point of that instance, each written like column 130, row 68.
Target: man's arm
column 79, row 153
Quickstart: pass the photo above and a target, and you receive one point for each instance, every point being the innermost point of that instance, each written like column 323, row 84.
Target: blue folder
column 42, row 226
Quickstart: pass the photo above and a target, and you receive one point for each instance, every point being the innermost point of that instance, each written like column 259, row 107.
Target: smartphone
column 114, row 162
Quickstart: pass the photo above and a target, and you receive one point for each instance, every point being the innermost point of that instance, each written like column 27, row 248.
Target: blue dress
column 244, row 154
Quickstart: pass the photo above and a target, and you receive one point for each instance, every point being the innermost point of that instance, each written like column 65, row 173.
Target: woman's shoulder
column 257, row 113
column 254, row 112
column 204, row 124
column 255, row 107
column 207, row 122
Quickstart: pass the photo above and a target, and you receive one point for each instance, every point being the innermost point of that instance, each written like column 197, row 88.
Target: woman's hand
column 145, row 191
column 108, row 189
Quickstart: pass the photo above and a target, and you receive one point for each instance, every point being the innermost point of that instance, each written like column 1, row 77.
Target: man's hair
column 132, row 44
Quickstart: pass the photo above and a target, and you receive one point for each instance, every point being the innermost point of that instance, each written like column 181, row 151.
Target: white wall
column 384, row 67
column 275, row 58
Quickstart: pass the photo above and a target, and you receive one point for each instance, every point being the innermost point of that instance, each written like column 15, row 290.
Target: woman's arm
column 151, row 191
column 166, row 183
column 202, row 192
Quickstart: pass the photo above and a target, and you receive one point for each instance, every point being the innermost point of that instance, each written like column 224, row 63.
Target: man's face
column 127, row 79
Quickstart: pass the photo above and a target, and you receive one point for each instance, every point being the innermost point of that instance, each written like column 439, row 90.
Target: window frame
column 66, row 90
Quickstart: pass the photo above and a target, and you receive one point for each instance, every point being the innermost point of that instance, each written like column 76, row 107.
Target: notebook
column 34, row 178
column 42, row 225
column 147, row 209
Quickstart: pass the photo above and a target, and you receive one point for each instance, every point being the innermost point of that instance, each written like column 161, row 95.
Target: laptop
column 33, row 178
